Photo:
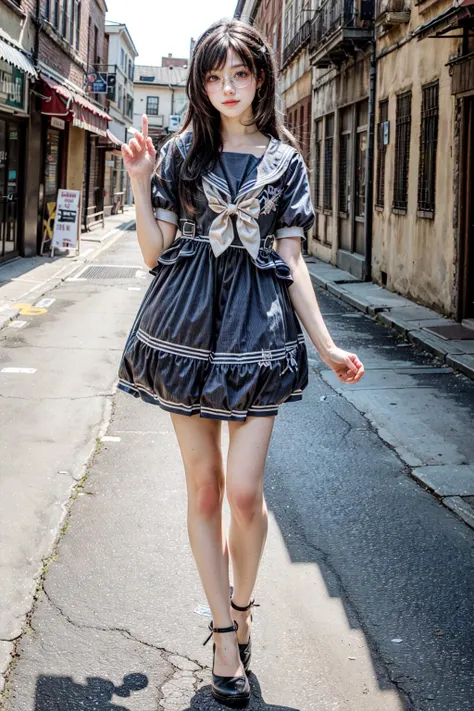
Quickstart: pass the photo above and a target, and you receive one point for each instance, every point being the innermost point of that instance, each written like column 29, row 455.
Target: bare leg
column 199, row 442
column 249, row 517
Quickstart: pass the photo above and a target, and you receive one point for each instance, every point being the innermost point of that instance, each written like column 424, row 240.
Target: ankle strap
column 232, row 628
column 252, row 603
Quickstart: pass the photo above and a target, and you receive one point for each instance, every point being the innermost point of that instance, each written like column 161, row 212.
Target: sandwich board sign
column 66, row 224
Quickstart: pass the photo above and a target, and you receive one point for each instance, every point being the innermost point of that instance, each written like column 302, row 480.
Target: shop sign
column 12, row 86
column 58, row 123
column 66, row 224
column 97, row 83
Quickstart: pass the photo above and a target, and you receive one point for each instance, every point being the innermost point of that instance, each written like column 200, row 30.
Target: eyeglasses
column 238, row 80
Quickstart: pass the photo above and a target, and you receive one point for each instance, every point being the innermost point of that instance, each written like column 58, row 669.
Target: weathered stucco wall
column 416, row 254
column 333, row 90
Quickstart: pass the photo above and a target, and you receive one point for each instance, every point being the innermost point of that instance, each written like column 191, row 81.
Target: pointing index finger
column 145, row 126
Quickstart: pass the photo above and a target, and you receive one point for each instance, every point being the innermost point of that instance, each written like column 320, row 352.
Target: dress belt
column 188, row 229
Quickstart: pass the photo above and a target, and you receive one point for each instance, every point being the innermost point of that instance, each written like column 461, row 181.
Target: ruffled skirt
column 216, row 337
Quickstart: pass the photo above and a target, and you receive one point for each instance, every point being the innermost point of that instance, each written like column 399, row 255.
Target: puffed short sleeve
column 164, row 185
column 295, row 209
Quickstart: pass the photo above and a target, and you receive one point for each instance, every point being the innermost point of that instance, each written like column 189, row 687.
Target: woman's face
column 231, row 89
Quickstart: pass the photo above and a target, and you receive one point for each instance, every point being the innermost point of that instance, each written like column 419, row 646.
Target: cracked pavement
column 366, row 582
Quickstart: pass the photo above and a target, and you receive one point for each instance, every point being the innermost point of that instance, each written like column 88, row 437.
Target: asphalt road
column 366, row 587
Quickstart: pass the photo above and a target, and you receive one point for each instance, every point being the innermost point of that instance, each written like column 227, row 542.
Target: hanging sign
column 66, row 224
column 97, row 82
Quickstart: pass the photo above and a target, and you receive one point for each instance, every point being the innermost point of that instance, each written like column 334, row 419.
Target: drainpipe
column 369, row 184
column 37, row 32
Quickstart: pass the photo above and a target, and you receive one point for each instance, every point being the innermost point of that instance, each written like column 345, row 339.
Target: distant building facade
column 121, row 64
column 160, row 93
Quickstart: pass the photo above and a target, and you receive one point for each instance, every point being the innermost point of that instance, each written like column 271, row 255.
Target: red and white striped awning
column 61, row 101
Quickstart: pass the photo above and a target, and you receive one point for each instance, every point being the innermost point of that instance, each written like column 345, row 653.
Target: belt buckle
column 188, row 228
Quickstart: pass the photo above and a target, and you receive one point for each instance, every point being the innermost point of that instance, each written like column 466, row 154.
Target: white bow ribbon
column 247, row 210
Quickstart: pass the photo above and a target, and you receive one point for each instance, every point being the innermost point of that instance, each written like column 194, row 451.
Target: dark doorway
column 10, row 187
column 466, row 232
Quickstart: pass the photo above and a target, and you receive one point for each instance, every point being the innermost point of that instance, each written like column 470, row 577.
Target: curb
column 443, row 350
column 52, row 282
column 433, row 479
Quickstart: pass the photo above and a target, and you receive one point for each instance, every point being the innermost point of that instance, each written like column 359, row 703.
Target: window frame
column 429, row 131
column 402, row 153
column 153, row 98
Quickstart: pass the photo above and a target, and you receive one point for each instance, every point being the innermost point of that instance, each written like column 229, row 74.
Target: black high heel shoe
column 231, row 691
column 245, row 650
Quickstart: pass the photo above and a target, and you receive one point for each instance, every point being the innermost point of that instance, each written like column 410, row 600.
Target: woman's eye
column 242, row 74
column 212, row 78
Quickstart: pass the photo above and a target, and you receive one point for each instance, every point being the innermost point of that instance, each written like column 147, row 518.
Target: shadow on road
column 61, row 693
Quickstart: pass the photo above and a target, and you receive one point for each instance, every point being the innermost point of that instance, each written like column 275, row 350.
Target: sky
column 169, row 26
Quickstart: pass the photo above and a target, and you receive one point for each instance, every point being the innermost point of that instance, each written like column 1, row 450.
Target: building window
column 317, row 167
column 130, row 70
column 129, row 108
column 361, row 165
column 57, row 10
column 47, row 10
column 119, row 102
column 344, row 153
column 77, row 21
column 428, row 146
column 382, row 127
column 328, row 159
column 64, row 19
column 402, row 151
column 122, row 58
column 152, row 105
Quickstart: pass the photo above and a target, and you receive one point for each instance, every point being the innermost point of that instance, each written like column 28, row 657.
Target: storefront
column 13, row 124
column 72, row 127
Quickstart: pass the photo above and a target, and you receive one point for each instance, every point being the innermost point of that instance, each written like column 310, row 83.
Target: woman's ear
column 261, row 79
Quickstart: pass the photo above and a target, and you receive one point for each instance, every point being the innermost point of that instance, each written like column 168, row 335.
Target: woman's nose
column 228, row 87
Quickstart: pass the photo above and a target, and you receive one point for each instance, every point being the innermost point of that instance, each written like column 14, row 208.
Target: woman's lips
column 231, row 102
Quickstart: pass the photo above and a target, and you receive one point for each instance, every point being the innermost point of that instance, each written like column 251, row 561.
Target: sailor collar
column 272, row 166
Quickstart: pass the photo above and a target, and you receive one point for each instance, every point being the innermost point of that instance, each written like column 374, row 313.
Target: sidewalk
column 24, row 280
column 398, row 313
column 365, row 582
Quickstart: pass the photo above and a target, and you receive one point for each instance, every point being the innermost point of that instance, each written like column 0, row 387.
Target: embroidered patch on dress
column 269, row 199
column 266, row 359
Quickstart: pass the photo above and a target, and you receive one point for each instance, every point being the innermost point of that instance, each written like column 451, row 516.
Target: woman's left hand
column 347, row 366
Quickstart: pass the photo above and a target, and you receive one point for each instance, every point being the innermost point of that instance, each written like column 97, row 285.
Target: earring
column 258, row 92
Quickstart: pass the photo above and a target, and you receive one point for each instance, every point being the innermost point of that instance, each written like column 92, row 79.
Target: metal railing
column 331, row 16
column 383, row 6
column 299, row 39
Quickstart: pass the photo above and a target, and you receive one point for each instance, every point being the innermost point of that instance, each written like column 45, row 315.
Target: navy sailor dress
column 216, row 334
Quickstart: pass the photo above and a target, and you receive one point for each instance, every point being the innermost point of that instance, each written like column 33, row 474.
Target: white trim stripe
column 220, row 357
column 289, row 232
column 167, row 404
column 166, row 215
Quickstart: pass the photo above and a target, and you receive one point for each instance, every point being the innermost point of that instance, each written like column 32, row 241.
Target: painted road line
column 110, row 439
column 17, row 324
column 134, row 288
column 18, row 370
column 45, row 303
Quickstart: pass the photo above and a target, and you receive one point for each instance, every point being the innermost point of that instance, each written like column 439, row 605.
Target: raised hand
column 139, row 154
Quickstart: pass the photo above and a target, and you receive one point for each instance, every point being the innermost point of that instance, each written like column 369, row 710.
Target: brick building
column 60, row 126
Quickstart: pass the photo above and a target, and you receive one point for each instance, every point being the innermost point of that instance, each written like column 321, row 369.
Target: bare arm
column 346, row 365
column 154, row 236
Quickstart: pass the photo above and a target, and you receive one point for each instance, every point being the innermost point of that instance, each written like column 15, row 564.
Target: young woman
column 217, row 334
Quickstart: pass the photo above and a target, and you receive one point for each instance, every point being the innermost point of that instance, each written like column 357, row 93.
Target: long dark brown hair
column 210, row 54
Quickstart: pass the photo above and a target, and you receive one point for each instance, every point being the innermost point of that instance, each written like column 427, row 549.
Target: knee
column 245, row 502
column 208, row 491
